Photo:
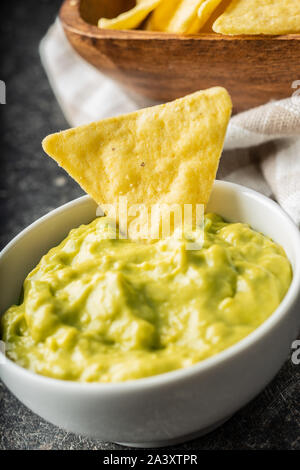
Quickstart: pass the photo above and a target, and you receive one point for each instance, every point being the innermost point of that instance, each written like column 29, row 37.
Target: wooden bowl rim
column 72, row 21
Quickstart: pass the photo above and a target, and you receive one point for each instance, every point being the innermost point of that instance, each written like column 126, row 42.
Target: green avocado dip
column 97, row 309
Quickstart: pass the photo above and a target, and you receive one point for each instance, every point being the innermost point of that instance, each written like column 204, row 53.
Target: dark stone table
column 31, row 185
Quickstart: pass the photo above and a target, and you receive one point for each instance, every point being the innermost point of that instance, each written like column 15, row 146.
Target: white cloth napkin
column 262, row 147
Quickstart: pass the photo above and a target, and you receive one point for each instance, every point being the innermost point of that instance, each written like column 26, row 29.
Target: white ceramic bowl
column 175, row 406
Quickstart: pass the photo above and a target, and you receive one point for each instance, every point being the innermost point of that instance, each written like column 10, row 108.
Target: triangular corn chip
column 260, row 17
column 218, row 11
column 132, row 18
column 160, row 18
column 176, row 17
column 166, row 154
column 206, row 9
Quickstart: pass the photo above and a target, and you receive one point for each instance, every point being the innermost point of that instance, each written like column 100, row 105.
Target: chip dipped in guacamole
column 102, row 307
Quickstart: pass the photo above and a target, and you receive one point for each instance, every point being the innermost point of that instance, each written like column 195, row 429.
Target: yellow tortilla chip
column 207, row 27
column 176, row 17
column 206, row 9
column 160, row 17
column 166, row 154
column 260, row 17
column 130, row 19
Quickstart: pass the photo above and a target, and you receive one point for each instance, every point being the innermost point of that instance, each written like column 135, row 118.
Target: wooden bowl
column 161, row 66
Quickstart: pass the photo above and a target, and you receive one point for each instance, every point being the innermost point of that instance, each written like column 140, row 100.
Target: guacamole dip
column 97, row 309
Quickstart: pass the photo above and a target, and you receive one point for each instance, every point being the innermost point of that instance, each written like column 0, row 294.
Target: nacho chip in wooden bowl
column 164, row 66
column 260, row 17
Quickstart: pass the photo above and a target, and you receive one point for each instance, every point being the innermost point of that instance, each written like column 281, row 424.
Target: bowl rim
column 72, row 21
column 168, row 378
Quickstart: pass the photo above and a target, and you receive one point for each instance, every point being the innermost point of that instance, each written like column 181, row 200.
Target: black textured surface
column 31, row 185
